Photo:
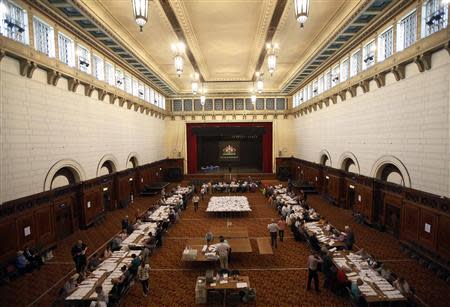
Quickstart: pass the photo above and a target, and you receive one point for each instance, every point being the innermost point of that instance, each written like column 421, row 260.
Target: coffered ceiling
column 225, row 39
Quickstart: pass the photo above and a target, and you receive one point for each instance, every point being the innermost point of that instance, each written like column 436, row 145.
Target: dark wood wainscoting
column 421, row 218
column 42, row 219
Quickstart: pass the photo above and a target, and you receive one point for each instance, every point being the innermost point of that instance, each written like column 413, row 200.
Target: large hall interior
column 224, row 153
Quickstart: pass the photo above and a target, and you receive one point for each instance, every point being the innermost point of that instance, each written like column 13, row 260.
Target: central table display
column 222, row 204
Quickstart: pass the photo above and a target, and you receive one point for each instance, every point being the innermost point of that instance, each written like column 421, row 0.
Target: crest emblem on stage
column 229, row 151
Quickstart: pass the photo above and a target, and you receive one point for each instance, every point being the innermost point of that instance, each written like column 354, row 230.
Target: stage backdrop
column 259, row 130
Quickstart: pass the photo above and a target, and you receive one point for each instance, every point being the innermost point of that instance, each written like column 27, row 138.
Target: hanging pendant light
column 194, row 83
column 259, row 82
column 301, row 9
column 272, row 57
column 140, row 10
column 178, row 50
column 202, row 96
column 253, row 98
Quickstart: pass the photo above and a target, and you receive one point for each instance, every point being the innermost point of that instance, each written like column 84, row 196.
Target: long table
column 197, row 252
column 375, row 289
column 106, row 271
column 323, row 236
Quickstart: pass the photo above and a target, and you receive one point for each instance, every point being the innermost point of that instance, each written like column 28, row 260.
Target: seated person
column 364, row 255
column 22, row 264
column 93, row 263
column 116, row 243
column 120, row 281
column 102, row 298
column 385, row 272
column 401, row 285
column 71, row 284
column 356, row 293
column 33, row 257
column 209, row 237
column 108, row 252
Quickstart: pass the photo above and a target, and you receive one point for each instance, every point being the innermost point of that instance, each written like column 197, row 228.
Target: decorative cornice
column 420, row 54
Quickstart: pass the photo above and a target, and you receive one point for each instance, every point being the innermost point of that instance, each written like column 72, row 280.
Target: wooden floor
column 279, row 278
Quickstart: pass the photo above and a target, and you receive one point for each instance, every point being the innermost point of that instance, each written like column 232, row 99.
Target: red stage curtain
column 191, row 139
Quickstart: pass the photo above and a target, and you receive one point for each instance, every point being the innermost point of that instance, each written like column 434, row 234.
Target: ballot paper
column 213, row 284
column 241, row 285
column 223, row 281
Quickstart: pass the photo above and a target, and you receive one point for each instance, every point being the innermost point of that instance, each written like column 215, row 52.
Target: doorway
column 350, row 198
column 106, row 199
column 392, row 220
column 63, row 221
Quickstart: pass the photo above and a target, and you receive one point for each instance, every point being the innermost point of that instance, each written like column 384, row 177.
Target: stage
column 221, row 149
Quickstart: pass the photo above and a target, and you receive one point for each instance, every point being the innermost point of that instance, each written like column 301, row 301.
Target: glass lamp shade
column 253, row 98
column 140, row 10
column 194, row 87
column 260, row 86
column 202, row 100
column 272, row 63
column 301, row 9
column 178, row 60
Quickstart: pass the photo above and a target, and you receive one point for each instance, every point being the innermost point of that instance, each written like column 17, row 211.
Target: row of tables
column 375, row 288
column 109, row 269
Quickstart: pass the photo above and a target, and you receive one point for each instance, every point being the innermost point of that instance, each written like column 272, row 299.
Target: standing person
column 313, row 268
column 349, row 238
column 223, row 250
column 273, row 230
column 281, row 226
column 125, row 223
column 144, row 276
column 195, row 200
column 79, row 256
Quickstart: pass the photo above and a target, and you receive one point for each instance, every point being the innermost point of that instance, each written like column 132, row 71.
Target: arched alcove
column 108, row 164
column 132, row 160
column 348, row 162
column 325, row 158
column 63, row 172
column 391, row 169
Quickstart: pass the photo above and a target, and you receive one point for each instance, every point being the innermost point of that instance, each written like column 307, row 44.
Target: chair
column 234, row 273
column 224, row 271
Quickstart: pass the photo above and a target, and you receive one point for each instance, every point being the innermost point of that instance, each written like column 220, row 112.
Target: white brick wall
column 42, row 124
column 408, row 119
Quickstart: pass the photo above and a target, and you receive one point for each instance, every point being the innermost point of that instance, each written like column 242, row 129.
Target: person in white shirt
column 222, row 250
column 273, row 230
column 195, row 200
column 401, row 285
column 313, row 267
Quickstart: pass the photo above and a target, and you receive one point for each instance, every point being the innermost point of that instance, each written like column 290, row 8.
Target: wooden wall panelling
column 428, row 228
column 27, row 232
column 8, row 233
column 392, row 213
column 92, row 204
column 65, row 215
column 45, row 224
column 443, row 240
column 410, row 221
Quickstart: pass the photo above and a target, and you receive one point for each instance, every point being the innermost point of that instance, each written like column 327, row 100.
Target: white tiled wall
column 408, row 119
column 42, row 124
